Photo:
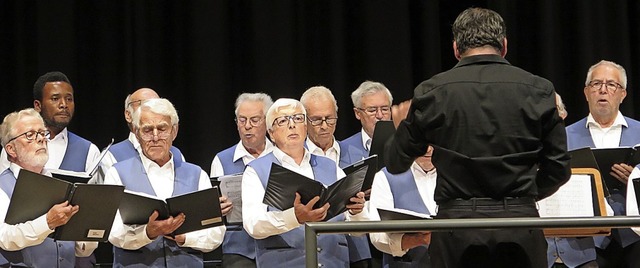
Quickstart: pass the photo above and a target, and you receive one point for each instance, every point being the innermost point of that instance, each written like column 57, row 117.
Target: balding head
column 132, row 102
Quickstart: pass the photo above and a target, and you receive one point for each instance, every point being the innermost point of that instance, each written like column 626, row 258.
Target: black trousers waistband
column 488, row 202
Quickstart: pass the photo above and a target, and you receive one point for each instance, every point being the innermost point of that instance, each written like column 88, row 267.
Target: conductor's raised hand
column 399, row 112
column 157, row 227
column 225, row 205
column 306, row 213
column 357, row 203
column 60, row 214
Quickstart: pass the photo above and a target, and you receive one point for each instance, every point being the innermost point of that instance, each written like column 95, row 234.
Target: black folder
column 82, row 177
column 368, row 173
column 400, row 214
column 584, row 158
column 201, row 208
column 383, row 131
column 34, row 194
column 606, row 157
column 636, row 189
column 283, row 184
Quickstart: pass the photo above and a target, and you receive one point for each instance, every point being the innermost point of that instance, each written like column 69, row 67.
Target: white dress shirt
column 30, row 233
column 260, row 223
column 632, row 204
column 606, row 137
column 57, row 147
column 216, row 166
column 382, row 197
column 162, row 181
column 332, row 153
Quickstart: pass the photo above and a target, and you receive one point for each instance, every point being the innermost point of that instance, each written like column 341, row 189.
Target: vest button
column 319, row 249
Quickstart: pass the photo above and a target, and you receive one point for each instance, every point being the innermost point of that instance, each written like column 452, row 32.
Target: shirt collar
column 63, row 135
column 620, row 121
column 313, row 147
column 241, row 152
column 134, row 140
column 283, row 157
column 484, row 58
column 365, row 138
column 15, row 169
column 148, row 163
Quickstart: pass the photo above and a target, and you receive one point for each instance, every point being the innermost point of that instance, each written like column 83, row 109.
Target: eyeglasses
column 374, row 109
column 254, row 121
column 318, row 121
column 33, row 135
column 611, row 86
column 162, row 132
column 132, row 102
column 282, row 120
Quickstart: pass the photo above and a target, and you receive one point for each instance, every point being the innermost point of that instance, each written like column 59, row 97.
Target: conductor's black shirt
column 495, row 129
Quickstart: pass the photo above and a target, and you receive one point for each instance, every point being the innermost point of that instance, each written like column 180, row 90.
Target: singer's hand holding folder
column 34, row 194
column 201, row 208
column 283, row 184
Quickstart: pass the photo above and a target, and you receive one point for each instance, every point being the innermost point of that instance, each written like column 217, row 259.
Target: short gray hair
column 623, row 73
column 159, row 106
column 478, row 27
column 319, row 93
column 281, row 104
column 367, row 88
column 8, row 124
column 258, row 97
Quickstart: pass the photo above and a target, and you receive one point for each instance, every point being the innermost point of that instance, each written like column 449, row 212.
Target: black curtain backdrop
column 202, row 54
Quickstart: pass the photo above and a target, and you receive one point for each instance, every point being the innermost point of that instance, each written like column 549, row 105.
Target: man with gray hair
column 24, row 137
column 322, row 114
column 129, row 147
column 238, row 248
column 605, row 127
column 371, row 103
column 499, row 145
column 158, row 173
column 280, row 234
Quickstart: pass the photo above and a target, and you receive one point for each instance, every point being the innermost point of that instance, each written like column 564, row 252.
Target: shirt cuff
column 40, row 225
column 395, row 244
column 290, row 220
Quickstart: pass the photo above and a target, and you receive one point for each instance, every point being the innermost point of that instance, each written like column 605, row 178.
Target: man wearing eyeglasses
column 280, row 234
column 24, row 137
column 129, row 147
column 238, row 248
column 371, row 103
column 322, row 116
column 54, row 100
column 157, row 172
column 606, row 127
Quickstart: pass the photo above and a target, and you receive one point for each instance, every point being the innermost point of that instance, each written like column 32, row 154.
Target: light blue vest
column 75, row 157
column 406, row 196
column 47, row 254
column 161, row 252
column 287, row 249
column 124, row 150
column 351, row 151
column 236, row 239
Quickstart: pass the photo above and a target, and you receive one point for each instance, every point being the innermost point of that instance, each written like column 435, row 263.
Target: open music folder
column 82, row 177
column 34, row 194
column 383, row 131
column 201, row 208
column 607, row 157
column 231, row 187
column 284, row 183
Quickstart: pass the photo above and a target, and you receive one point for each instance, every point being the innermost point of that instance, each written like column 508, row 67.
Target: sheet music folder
column 607, row 157
column 82, row 177
column 34, row 194
column 201, row 208
column 584, row 158
column 383, row 131
column 283, row 184
column 400, row 214
column 231, row 187
column 368, row 174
